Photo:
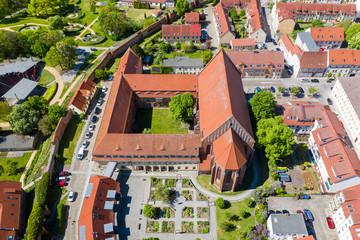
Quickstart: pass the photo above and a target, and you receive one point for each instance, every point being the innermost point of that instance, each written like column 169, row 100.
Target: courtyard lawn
column 21, row 163
column 241, row 224
column 70, row 138
column 22, row 20
column 160, row 121
column 138, row 14
column 89, row 16
column 46, row 78
column 196, row 54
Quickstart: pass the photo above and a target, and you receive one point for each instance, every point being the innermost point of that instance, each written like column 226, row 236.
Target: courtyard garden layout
column 187, row 211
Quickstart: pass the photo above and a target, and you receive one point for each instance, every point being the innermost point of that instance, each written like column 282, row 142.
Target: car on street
column 98, row 102
column 61, row 184
column 85, row 143
column 63, row 173
column 71, row 196
column 203, row 26
column 330, row 223
column 315, row 80
column 278, row 49
column 330, row 102
column 271, row 212
column 110, row 77
column 257, row 89
column 102, row 95
column 286, row 91
column 303, row 196
column 328, row 81
column 300, row 212
column 272, row 89
column 304, row 80
column 93, row 119
column 80, row 153
column 286, row 212
column 278, row 212
column 87, row 134
column 62, row 178
column 91, row 127
column 97, row 110
column 308, row 215
column 103, row 89
column 301, row 90
column 203, row 31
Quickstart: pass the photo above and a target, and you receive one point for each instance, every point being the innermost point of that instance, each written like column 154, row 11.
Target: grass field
column 17, row 21
column 241, row 225
column 70, row 138
column 46, row 78
column 85, row 8
column 160, row 121
column 5, row 162
column 196, row 54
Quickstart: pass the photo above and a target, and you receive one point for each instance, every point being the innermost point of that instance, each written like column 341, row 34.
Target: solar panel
column 89, row 190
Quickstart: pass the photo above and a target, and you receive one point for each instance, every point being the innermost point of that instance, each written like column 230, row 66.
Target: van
column 80, row 153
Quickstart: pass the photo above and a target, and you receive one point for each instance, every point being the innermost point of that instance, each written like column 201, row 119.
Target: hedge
column 50, row 92
column 61, row 213
column 98, row 42
column 140, row 5
column 35, row 222
column 42, row 189
column 163, row 69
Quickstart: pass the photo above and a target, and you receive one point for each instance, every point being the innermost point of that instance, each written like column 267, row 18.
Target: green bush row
column 50, row 92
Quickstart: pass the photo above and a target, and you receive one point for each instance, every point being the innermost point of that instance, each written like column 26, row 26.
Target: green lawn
column 70, row 138
column 17, row 21
column 46, row 78
column 196, row 54
column 241, row 225
column 160, row 121
column 138, row 14
column 5, row 162
column 84, row 5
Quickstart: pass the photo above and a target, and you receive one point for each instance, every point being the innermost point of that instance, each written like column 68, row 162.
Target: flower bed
column 203, row 227
column 168, row 213
column 188, row 212
column 152, row 227
column 188, row 195
column 203, row 212
column 167, row 226
column 187, row 227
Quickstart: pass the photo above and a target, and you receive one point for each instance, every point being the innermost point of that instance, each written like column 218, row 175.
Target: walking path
column 14, row 14
column 27, row 167
column 20, row 25
column 58, row 79
column 87, row 28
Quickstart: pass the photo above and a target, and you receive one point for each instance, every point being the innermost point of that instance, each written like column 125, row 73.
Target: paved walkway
column 20, row 25
column 27, row 167
column 58, row 79
column 87, row 28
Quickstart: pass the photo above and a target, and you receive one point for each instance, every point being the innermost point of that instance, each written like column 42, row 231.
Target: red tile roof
column 351, row 197
column 183, row 30
column 313, row 59
column 235, row 3
column 80, row 98
column 295, row 112
column 192, row 17
column 310, row 237
column 253, row 58
column 130, row 63
column 327, row 33
column 93, row 215
column 256, row 18
column 344, row 57
column 222, row 19
column 289, row 45
column 242, row 42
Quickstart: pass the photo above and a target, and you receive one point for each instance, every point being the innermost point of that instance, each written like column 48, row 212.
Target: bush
column 249, row 202
column 220, row 203
column 50, row 92
column 305, row 188
column 61, row 216
column 150, row 211
column 42, row 189
column 279, row 191
column 227, row 227
column 35, row 222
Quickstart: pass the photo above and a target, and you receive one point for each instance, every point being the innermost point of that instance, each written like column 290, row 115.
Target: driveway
column 211, row 29
column 318, row 205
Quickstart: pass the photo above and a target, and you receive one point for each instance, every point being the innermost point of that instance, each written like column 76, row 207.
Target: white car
column 71, row 196
column 98, row 102
column 85, row 143
column 91, row 127
column 103, row 89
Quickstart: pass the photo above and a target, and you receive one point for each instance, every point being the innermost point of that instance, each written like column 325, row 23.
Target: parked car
column 101, row 95
column 303, row 196
column 300, row 212
column 272, row 89
column 315, row 80
column 71, row 196
column 64, row 173
column 286, row 212
column 278, row 212
column 330, row 102
column 85, row 143
column 98, row 102
column 91, row 127
column 62, row 178
column 328, row 81
column 290, row 72
column 278, row 49
column 271, row 212
column 301, row 90
column 330, row 223
column 97, row 110
column 93, row 119
column 61, row 184
column 308, row 215
column 80, row 153
column 286, row 91
column 203, row 31
column 87, row 134
column 257, row 89
column 103, row 89
column 203, row 26
column 110, row 77
column 304, row 80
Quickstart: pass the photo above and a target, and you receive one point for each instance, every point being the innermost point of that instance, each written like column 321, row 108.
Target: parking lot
column 318, row 205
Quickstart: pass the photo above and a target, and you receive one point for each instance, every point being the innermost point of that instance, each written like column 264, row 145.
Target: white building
column 286, row 227
column 346, row 97
column 345, row 209
column 184, row 65
column 327, row 37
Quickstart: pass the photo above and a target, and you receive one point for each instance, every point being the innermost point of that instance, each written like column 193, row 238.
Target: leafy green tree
column 220, row 203
column 243, row 213
column 101, row 74
column 317, row 23
column 181, row 106
column 164, row 47
column 181, row 7
column 45, row 7
column 207, row 55
column 63, row 54
column 312, row 90
column 354, row 42
column 5, row 110
column 149, row 211
column 295, row 90
column 23, row 120
column 148, row 22
column 339, row 74
column 276, row 137
column 163, row 193
column 5, row 8
column 227, row 227
column 178, row 45
column 352, row 31
column 345, row 24
column 48, row 122
column 35, row 222
column 37, row 103
column 233, row 14
column 92, row 6
column 249, row 202
column 56, row 22
column 329, row 75
column 281, row 89
column 12, row 168
column 263, row 105
column 138, row 50
column 187, row 47
column 42, row 189
column 242, row 13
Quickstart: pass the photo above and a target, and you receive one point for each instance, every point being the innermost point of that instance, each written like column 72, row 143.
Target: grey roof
column 110, row 168
column 20, row 65
column 108, row 227
column 288, row 224
column 21, row 90
column 111, row 194
column 89, row 190
column 109, row 205
column 306, row 38
column 15, row 142
column 183, row 62
column 351, row 87
column 82, row 233
column 284, row 177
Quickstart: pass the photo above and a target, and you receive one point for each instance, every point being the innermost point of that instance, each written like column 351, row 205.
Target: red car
column 330, row 222
column 61, row 183
column 300, row 212
column 65, row 173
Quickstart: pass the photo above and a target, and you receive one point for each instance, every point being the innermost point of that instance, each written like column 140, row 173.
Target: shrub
column 42, row 189
column 242, row 213
column 227, row 227
column 249, row 202
column 35, row 222
column 220, row 203
column 150, row 211
column 50, row 92
column 61, row 216
column 279, row 191
column 305, row 188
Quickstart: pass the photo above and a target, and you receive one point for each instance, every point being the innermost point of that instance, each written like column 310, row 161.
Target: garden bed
column 203, row 212
column 201, row 197
column 168, row 213
column 152, row 226
column 155, row 181
column 187, row 227
column 203, row 227
column 186, row 183
column 170, row 182
column 188, row 195
column 188, row 212
column 167, row 226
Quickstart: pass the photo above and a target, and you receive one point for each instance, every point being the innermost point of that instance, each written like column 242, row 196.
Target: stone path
column 20, row 25
column 87, row 28
column 22, row 178
column 59, row 81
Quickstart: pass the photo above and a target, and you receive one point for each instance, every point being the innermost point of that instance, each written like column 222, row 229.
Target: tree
column 101, row 73
column 12, row 168
column 163, row 193
column 220, row 203
column 207, row 55
column 42, row 189
column 312, row 90
column 92, row 6
column 181, row 7
column 48, row 122
column 164, row 47
column 148, row 22
column 233, row 14
column 295, row 90
column 243, row 213
column 329, row 75
column 149, row 211
column 317, row 23
column 263, row 105
column 181, row 106
column 56, row 22
column 249, row 202
column 227, row 227
column 345, row 24
column 63, row 54
column 5, row 110
column 242, row 13
column 22, row 120
column 276, row 137
column 281, row 89
column 187, row 47
column 178, row 45
column 45, row 7
column 138, row 50
column 259, row 232
column 352, row 31
column 37, row 103
column 354, row 42
column 35, row 222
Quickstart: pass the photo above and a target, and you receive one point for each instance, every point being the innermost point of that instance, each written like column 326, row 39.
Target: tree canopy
column 35, row 222
column 354, row 42
column 276, row 137
column 56, row 22
column 150, row 211
column 263, row 105
column 37, row 103
column 345, row 24
column 317, row 23
column 63, row 54
column 181, row 7
column 5, row 110
column 23, row 120
column 48, row 122
column 352, row 31
column 181, row 106
column 45, row 7
column 207, row 55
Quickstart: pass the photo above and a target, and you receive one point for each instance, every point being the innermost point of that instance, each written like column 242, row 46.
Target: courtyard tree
column 345, row 24
column 242, row 13
column 101, row 73
column 37, row 103
column 263, row 105
column 243, row 213
column 163, row 193
column 312, row 90
column 295, row 90
column 317, row 23
column 63, row 54
column 207, row 55
column 220, row 203
column 48, row 122
column 352, row 31
column 181, row 7
column 138, row 50
column 233, row 14
column 275, row 137
column 354, row 42
column 56, row 22
column 181, row 106
column 227, row 226
column 164, row 47
column 150, row 211
column 23, row 120
column 5, row 110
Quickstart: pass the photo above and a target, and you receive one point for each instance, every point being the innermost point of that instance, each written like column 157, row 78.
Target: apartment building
column 327, row 37
column 181, row 33
column 343, row 63
column 345, row 210
column 258, row 64
column 153, row 3
column 192, row 18
column 306, row 42
column 255, row 22
column 81, row 100
column 224, row 28
column 346, row 95
column 184, row 65
column 237, row 4
column 243, row 44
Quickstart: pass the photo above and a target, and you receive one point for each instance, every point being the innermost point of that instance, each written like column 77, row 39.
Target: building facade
column 181, row 33
column 224, row 28
column 327, row 37
column 192, row 18
column 184, row 65
column 255, row 22
column 243, row 44
column 343, row 63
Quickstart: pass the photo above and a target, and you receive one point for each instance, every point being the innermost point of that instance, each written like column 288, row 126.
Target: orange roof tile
column 242, row 42
column 11, row 197
column 192, row 17
column 80, row 98
column 290, row 47
column 130, row 63
column 181, row 30
column 300, row 113
column 327, row 33
column 344, row 57
column 310, row 237
column 93, row 216
column 313, row 59
column 256, row 18
column 222, row 19
column 252, row 59
column 234, row 3
column 351, row 207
